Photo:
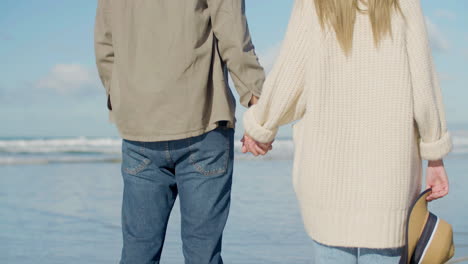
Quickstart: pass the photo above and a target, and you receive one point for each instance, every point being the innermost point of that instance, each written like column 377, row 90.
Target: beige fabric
column 365, row 123
column 418, row 219
column 442, row 248
column 164, row 64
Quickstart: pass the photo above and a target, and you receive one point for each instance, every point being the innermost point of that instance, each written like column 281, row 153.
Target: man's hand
column 256, row 148
column 253, row 100
column 436, row 178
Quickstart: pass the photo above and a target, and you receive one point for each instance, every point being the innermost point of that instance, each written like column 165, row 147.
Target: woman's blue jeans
column 199, row 171
column 343, row 255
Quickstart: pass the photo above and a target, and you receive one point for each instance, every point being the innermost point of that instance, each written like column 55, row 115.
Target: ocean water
column 60, row 203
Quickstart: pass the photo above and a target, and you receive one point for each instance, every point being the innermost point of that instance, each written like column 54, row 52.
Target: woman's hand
column 436, row 178
column 256, row 148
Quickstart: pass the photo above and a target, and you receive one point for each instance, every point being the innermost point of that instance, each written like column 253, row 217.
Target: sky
column 49, row 85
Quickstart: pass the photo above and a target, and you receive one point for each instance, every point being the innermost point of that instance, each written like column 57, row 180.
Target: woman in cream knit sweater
column 359, row 78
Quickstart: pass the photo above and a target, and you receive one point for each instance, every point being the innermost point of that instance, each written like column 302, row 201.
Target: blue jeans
column 342, row 255
column 199, row 171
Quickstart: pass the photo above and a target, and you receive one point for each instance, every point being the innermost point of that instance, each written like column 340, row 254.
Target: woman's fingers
column 259, row 149
column 256, row 148
column 437, row 195
column 251, row 148
column 437, row 180
column 441, row 191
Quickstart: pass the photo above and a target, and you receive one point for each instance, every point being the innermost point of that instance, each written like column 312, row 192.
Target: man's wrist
column 253, row 100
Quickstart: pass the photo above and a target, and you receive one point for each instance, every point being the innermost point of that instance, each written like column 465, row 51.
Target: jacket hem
column 154, row 138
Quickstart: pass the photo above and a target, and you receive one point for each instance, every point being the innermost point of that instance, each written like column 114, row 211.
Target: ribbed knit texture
column 365, row 123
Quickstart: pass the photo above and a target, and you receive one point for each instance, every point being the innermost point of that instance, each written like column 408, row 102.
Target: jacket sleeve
column 103, row 48
column 235, row 46
column 435, row 140
column 283, row 99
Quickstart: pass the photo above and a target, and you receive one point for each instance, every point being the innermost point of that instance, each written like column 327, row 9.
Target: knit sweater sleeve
column 282, row 99
column 435, row 140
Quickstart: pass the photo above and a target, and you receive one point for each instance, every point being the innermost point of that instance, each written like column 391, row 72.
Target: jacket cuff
column 245, row 99
column 437, row 149
column 255, row 130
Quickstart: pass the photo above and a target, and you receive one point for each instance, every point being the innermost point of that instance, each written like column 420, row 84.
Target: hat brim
column 417, row 218
column 429, row 239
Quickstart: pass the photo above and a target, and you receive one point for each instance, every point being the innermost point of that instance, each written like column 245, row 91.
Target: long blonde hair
column 341, row 16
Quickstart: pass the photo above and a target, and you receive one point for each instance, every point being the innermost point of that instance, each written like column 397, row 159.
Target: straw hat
column 429, row 239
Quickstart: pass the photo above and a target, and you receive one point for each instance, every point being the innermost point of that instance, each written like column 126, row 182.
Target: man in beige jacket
column 164, row 67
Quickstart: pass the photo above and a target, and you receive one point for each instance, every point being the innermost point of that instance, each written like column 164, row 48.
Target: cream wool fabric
column 365, row 123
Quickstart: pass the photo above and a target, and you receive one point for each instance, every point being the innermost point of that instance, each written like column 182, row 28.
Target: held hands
column 249, row 144
column 256, row 148
column 436, row 178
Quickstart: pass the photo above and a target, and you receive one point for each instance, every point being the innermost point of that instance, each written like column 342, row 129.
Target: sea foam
column 85, row 149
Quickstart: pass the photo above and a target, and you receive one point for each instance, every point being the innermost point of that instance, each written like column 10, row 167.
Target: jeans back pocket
column 211, row 152
column 134, row 159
